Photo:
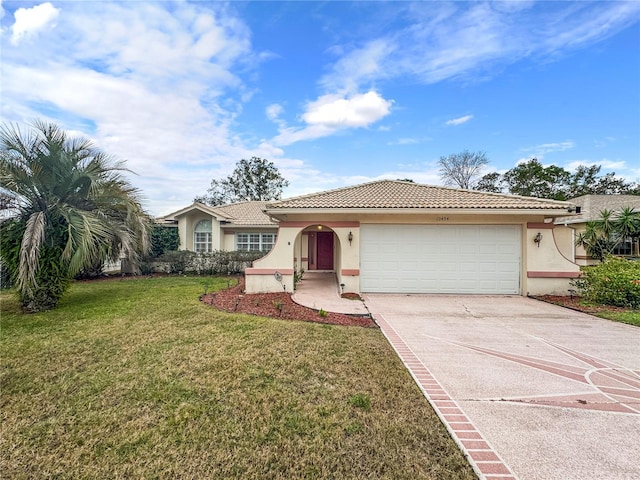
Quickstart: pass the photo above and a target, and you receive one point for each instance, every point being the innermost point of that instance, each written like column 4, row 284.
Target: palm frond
column 86, row 238
column 30, row 251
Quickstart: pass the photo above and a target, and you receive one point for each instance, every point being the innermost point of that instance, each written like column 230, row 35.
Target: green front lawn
column 630, row 317
column 138, row 379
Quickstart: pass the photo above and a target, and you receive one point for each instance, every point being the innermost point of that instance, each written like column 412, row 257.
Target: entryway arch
column 317, row 248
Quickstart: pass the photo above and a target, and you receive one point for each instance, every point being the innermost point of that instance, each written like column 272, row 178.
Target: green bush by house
column 616, row 281
column 220, row 262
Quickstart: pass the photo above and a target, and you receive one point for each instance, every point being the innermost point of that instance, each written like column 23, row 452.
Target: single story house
column 588, row 208
column 403, row 237
column 237, row 226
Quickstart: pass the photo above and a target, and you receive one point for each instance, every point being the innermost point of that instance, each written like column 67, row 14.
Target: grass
column 630, row 317
column 616, row 314
column 138, row 379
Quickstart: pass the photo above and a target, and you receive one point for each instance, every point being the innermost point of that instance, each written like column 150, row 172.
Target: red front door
column 325, row 251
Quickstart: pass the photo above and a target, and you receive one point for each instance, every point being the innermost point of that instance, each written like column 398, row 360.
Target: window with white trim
column 202, row 236
column 255, row 241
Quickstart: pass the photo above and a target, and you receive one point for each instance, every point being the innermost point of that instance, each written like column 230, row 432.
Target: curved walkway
column 320, row 290
column 530, row 391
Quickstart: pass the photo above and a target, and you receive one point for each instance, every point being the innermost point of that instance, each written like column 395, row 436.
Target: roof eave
column 555, row 212
column 199, row 207
column 245, row 225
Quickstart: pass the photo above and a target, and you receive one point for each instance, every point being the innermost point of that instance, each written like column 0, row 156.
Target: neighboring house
column 588, row 208
column 402, row 237
column 237, row 226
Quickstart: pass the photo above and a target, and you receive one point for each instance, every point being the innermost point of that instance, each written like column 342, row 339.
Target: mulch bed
column 574, row 303
column 277, row 305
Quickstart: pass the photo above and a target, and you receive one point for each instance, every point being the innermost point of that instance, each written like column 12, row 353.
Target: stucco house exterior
column 402, row 237
column 588, row 208
column 237, row 226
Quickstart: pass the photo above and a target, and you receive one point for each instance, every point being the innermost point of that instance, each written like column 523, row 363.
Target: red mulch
column 574, row 302
column 351, row 296
column 276, row 305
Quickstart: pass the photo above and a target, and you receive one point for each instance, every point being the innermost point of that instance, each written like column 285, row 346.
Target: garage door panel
column 440, row 259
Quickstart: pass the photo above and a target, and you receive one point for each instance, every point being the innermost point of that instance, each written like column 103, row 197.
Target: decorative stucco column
column 348, row 261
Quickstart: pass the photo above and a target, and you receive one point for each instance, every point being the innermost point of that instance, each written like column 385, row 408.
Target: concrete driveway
column 528, row 390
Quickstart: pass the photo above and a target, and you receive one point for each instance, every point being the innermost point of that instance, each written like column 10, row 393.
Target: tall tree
column 72, row 209
column 462, row 169
column 532, row 179
column 254, row 179
column 491, row 182
column 609, row 184
column 583, row 181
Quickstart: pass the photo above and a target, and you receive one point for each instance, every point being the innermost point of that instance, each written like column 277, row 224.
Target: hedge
column 219, row 262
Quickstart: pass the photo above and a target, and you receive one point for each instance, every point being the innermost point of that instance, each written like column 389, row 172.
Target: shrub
column 615, row 282
column 5, row 276
column 52, row 275
column 178, row 261
column 212, row 263
column 163, row 239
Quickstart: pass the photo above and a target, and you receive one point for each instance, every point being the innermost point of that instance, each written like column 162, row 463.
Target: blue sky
column 334, row 93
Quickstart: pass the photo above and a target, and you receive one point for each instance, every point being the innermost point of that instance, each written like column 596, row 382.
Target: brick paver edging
column 483, row 458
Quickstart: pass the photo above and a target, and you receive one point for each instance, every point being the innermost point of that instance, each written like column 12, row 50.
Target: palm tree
column 70, row 208
column 603, row 235
column 627, row 225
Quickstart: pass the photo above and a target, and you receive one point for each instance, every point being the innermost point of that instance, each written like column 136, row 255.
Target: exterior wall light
column 537, row 239
column 350, row 237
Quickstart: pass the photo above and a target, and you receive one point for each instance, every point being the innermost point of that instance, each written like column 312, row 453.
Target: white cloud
column 332, row 113
column 30, row 21
column 274, row 111
column 459, row 120
column 603, row 142
column 471, row 41
column 410, row 140
column 604, row 163
column 541, row 150
column 359, row 110
column 581, row 26
column 511, row 6
column 152, row 84
column 360, row 65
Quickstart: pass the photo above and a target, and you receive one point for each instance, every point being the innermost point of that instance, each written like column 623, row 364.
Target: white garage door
column 440, row 259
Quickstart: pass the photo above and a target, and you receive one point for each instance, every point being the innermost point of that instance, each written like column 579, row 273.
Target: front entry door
column 325, row 251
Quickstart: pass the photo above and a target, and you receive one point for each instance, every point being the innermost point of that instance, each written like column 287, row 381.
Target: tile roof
column 242, row 213
column 397, row 194
column 592, row 205
column 246, row 213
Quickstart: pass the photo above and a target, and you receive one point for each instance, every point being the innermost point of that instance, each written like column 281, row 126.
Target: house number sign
column 442, row 219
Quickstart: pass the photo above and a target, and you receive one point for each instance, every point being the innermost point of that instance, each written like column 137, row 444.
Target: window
column 202, row 236
column 268, row 240
column 255, row 242
column 624, row 248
